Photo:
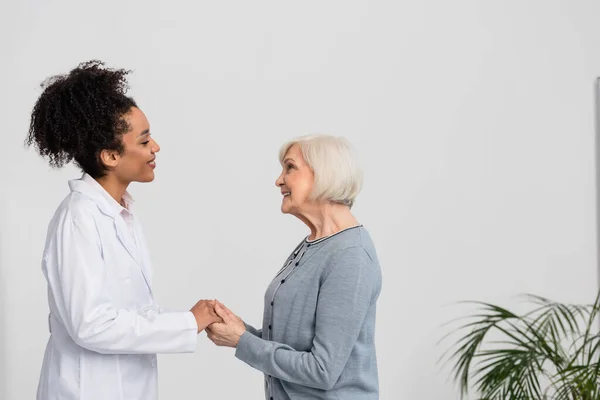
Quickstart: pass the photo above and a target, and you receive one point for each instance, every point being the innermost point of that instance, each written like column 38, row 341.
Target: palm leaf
column 551, row 352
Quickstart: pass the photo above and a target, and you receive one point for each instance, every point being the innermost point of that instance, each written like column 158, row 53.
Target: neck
column 325, row 219
column 113, row 186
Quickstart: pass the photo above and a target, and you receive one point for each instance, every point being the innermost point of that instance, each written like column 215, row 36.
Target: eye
column 145, row 143
column 289, row 166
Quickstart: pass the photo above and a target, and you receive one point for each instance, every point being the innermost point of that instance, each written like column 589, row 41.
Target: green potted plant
column 551, row 352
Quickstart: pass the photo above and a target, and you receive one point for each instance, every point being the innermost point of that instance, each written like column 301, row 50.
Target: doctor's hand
column 204, row 312
column 228, row 332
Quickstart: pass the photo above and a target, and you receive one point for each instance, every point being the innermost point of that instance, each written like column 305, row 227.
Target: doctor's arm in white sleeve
column 78, row 282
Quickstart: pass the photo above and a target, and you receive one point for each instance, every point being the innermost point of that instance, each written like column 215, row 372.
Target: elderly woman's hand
column 229, row 332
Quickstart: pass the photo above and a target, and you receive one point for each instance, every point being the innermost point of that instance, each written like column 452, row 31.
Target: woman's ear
column 109, row 158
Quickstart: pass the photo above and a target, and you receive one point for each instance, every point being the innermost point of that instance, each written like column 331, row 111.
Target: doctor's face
column 137, row 162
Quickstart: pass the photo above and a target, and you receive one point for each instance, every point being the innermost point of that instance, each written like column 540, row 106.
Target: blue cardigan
column 318, row 334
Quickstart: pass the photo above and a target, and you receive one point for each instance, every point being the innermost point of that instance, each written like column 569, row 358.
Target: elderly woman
column 318, row 335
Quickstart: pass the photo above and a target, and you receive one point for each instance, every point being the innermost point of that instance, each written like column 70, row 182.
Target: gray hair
column 338, row 177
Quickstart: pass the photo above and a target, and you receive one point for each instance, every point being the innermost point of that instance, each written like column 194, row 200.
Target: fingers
column 221, row 312
column 215, row 334
column 208, row 312
column 205, row 314
column 212, row 338
column 227, row 310
column 213, row 315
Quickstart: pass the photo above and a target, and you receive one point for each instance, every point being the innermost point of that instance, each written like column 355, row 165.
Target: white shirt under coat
column 106, row 328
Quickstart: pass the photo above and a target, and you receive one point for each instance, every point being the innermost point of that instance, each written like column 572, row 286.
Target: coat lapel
column 126, row 239
column 133, row 250
column 119, row 224
column 144, row 260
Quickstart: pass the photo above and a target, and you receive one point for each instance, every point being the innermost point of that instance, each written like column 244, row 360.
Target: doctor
column 106, row 327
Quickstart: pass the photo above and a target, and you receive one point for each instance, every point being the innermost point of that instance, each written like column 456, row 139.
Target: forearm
column 285, row 363
column 253, row 330
column 125, row 332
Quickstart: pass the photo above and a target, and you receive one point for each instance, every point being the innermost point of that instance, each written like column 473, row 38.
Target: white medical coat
column 105, row 326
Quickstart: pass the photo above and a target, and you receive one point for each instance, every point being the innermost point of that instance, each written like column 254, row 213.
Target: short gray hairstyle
column 338, row 176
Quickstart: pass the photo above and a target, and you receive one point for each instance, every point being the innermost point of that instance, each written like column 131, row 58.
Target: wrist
column 194, row 321
column 241, row 331
column 237, row 339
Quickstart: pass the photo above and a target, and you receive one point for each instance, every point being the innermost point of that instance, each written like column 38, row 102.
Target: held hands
column 204, row 312
column 228, row 332
column 222, row 326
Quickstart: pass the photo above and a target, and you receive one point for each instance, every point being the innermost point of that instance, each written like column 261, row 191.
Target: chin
column 146, row 178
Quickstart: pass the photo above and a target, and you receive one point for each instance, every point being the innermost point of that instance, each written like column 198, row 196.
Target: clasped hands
column 222, row 326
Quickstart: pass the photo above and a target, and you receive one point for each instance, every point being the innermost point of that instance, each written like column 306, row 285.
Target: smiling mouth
column 286, row 194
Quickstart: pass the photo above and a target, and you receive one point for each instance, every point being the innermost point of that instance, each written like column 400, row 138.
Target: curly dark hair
column 79, row 114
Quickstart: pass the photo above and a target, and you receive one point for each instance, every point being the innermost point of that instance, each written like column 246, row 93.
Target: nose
column 279, row 181
column 155, row 147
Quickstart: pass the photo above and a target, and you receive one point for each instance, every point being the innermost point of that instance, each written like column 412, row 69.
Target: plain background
column 474, row 122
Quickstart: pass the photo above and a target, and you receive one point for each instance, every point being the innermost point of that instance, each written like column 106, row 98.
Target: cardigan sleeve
column 253, row 330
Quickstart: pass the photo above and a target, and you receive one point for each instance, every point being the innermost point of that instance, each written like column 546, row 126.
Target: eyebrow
column 288, row 159
column 144, row 132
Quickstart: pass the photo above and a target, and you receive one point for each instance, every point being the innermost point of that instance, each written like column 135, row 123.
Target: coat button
column 272, row 303
column 269, row 327
column 283, row 281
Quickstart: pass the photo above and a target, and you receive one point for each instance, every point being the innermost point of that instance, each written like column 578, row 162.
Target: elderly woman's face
column 296, row 182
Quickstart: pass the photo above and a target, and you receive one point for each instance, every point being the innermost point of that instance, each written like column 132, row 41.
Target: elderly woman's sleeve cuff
column 251, row 349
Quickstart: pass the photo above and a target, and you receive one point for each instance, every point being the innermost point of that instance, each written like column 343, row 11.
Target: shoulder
column 352, row 251
column 75, row 208
column 76, row 222
column 353, row 243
